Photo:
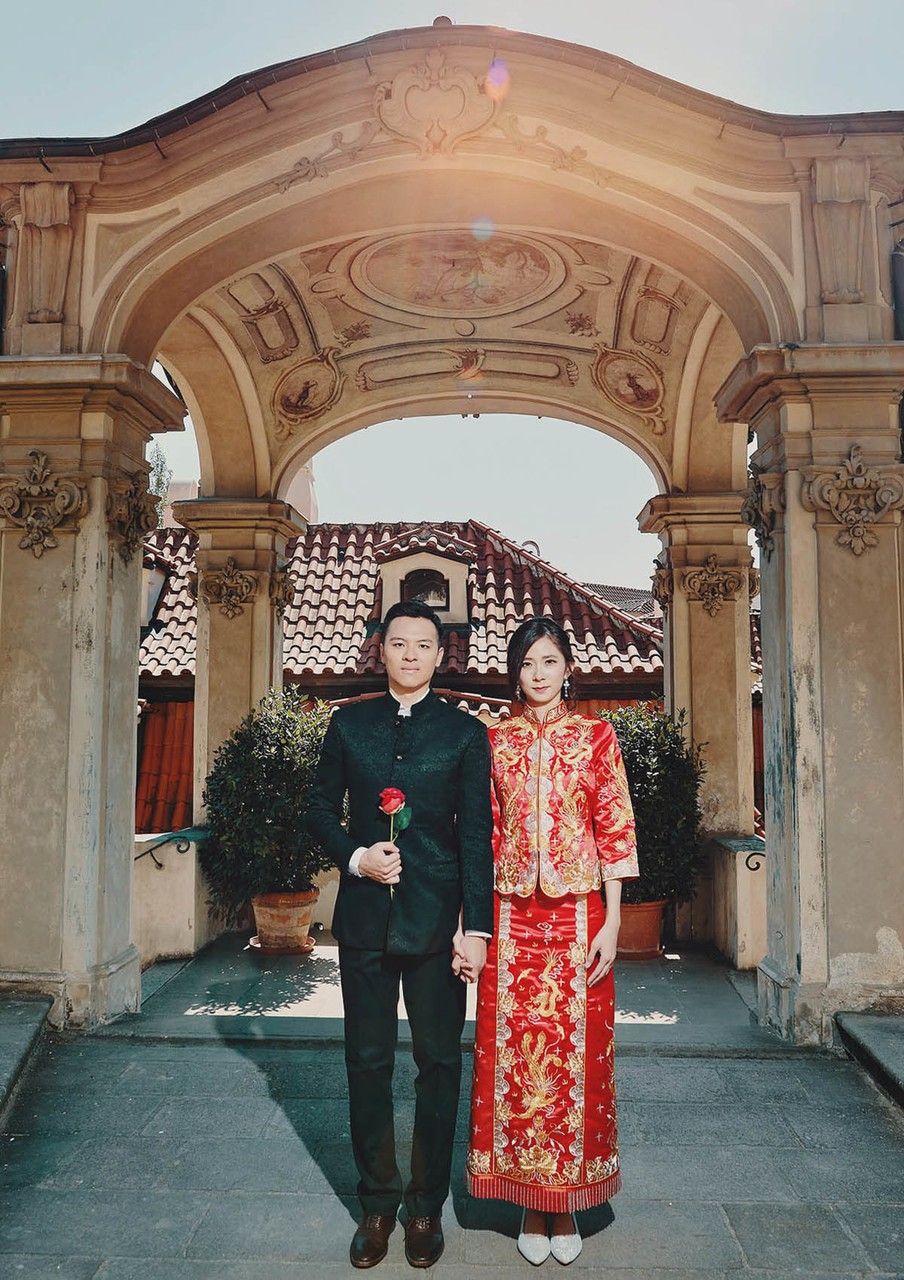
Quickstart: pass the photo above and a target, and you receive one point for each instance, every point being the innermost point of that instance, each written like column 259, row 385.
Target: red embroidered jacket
column 562, row 814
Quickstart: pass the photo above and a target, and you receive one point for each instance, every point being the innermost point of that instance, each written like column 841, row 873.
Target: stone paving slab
column 139, row 1158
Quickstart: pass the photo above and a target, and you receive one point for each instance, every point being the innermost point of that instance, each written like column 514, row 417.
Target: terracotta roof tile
column 330, row 625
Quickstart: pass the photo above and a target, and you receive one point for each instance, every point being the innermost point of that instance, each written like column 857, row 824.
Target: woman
column 543, row 1126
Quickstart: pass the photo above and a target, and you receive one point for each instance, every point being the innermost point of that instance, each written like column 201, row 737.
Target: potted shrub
column 257, row 849
column 664, row 773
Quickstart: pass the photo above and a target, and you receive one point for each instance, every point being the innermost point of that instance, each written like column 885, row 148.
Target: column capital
column 240, row 524
column 36, row 384
column 706, row 521
column 771, row 376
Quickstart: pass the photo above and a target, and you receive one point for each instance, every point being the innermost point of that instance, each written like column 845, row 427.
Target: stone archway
column 452, row 219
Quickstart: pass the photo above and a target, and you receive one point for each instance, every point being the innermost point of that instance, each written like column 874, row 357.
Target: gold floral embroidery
column 479, row 1161
column 599, row 1168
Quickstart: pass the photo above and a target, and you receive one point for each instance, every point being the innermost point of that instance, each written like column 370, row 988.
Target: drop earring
column 566, row 687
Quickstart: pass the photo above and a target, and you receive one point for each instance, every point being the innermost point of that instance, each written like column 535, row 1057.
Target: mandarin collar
column 557, row 713
column 422, row 706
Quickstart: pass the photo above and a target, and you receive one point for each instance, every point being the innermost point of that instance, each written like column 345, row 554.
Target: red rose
column 392, row 800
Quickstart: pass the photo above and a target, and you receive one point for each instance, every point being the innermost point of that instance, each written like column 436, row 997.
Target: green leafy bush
column 255, row 798
column 664, row 775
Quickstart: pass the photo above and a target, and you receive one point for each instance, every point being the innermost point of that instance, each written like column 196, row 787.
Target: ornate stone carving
column 306, row 391
column 541, row 147
column 467, row 366
column 631, row 381
column 131, row 512
column 841, row 195
column 40, row 502
column 753, row 582
column 857, row 496
column 310, row 167
column 663, row 589
column 283, row 586
column 764, row 499
column 712, row 584
column 453, row 274
column 228, row 588
column 434, row 106
column 265, row 316
column 45, row 249
column 657, row 310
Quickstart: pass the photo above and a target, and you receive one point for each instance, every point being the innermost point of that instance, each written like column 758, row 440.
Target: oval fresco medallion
column 452, row 273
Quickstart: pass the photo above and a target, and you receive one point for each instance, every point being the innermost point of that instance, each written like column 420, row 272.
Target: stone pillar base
column 797, row 1011
column 83, row 1000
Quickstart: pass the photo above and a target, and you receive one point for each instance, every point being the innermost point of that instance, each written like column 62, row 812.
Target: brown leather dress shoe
column 371, row 1241
column 424, row 1241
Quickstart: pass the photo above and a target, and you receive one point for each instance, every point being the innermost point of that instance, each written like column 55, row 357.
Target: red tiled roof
column 168, row 649
column 637, row 600
column 330, row 625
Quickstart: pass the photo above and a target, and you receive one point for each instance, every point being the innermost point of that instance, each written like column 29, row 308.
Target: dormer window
column 428, row 586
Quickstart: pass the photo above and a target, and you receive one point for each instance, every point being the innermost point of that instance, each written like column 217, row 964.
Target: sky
column 102, row 66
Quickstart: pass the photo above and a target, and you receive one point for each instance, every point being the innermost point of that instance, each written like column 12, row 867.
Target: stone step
column 21, row 1030
column 876, row 1041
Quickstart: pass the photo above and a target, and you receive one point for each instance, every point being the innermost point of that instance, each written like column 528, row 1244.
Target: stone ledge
column 876, row 1041
column 21, row 1027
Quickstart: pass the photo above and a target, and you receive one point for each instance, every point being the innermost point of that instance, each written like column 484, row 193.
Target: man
column 415, row 911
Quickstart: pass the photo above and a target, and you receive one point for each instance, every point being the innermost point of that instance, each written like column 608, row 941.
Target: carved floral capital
column 131, row 512
column 713, row 584
column 228, row 588
column 663, row 589
column 283, row 586
column 764, row 499
column 856, row 496
column 40, row 503
column 434, row 106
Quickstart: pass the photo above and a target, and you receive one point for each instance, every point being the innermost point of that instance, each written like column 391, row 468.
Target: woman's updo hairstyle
column 530, row 631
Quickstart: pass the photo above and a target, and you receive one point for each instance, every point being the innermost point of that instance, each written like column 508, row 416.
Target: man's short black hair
column 413, row 609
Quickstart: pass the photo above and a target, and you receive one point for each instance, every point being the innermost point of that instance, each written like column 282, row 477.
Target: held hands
column 602, row 953
column 469, row 955
column 381, row 862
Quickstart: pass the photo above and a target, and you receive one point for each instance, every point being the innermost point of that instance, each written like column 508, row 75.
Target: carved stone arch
column 303, row 449
column 225, row 413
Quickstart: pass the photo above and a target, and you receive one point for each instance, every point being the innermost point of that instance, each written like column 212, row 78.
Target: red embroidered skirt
column 543, row 1124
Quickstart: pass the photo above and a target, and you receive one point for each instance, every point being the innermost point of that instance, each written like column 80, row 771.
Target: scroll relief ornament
column 131, row 512
column 306, row 391
column 228, row 588
column 434, row 106
column 764, row 499
column 857, row 496
column 713, row 585
column 283, row 586
column 40, row 503
column 633, row 382
column 663, row 589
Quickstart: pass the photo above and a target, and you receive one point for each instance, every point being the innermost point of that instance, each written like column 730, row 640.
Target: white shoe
column 535, row 1248
column 566, row 1248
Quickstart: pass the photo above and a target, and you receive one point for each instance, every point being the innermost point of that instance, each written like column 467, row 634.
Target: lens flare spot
column 497, row 81
column 483, row 228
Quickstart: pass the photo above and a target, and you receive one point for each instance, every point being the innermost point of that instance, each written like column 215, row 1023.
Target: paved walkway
column 184, row 1145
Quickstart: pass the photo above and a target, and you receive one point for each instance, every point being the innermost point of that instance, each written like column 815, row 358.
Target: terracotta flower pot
column 641, row 930
column 283, row 920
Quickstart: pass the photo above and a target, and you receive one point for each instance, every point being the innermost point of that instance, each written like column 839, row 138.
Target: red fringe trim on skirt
column 543, row 1199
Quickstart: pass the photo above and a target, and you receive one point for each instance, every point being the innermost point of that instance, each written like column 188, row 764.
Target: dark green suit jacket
column 440, row 758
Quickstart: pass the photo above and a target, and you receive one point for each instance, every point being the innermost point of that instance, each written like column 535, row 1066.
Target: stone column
column 73, row 510
column 703, row 582
column 826, row 494
column 242, row 591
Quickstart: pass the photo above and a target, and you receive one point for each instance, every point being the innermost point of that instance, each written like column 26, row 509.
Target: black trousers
column 435, row 1004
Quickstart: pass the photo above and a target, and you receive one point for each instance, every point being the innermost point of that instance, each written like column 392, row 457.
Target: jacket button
column 398, row 757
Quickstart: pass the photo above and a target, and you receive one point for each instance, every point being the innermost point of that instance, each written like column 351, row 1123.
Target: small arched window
column 429, row 586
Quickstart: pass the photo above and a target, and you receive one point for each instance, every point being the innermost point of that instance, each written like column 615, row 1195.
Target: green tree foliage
column 255, row 798
column 159, row 479
column 664, row 774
